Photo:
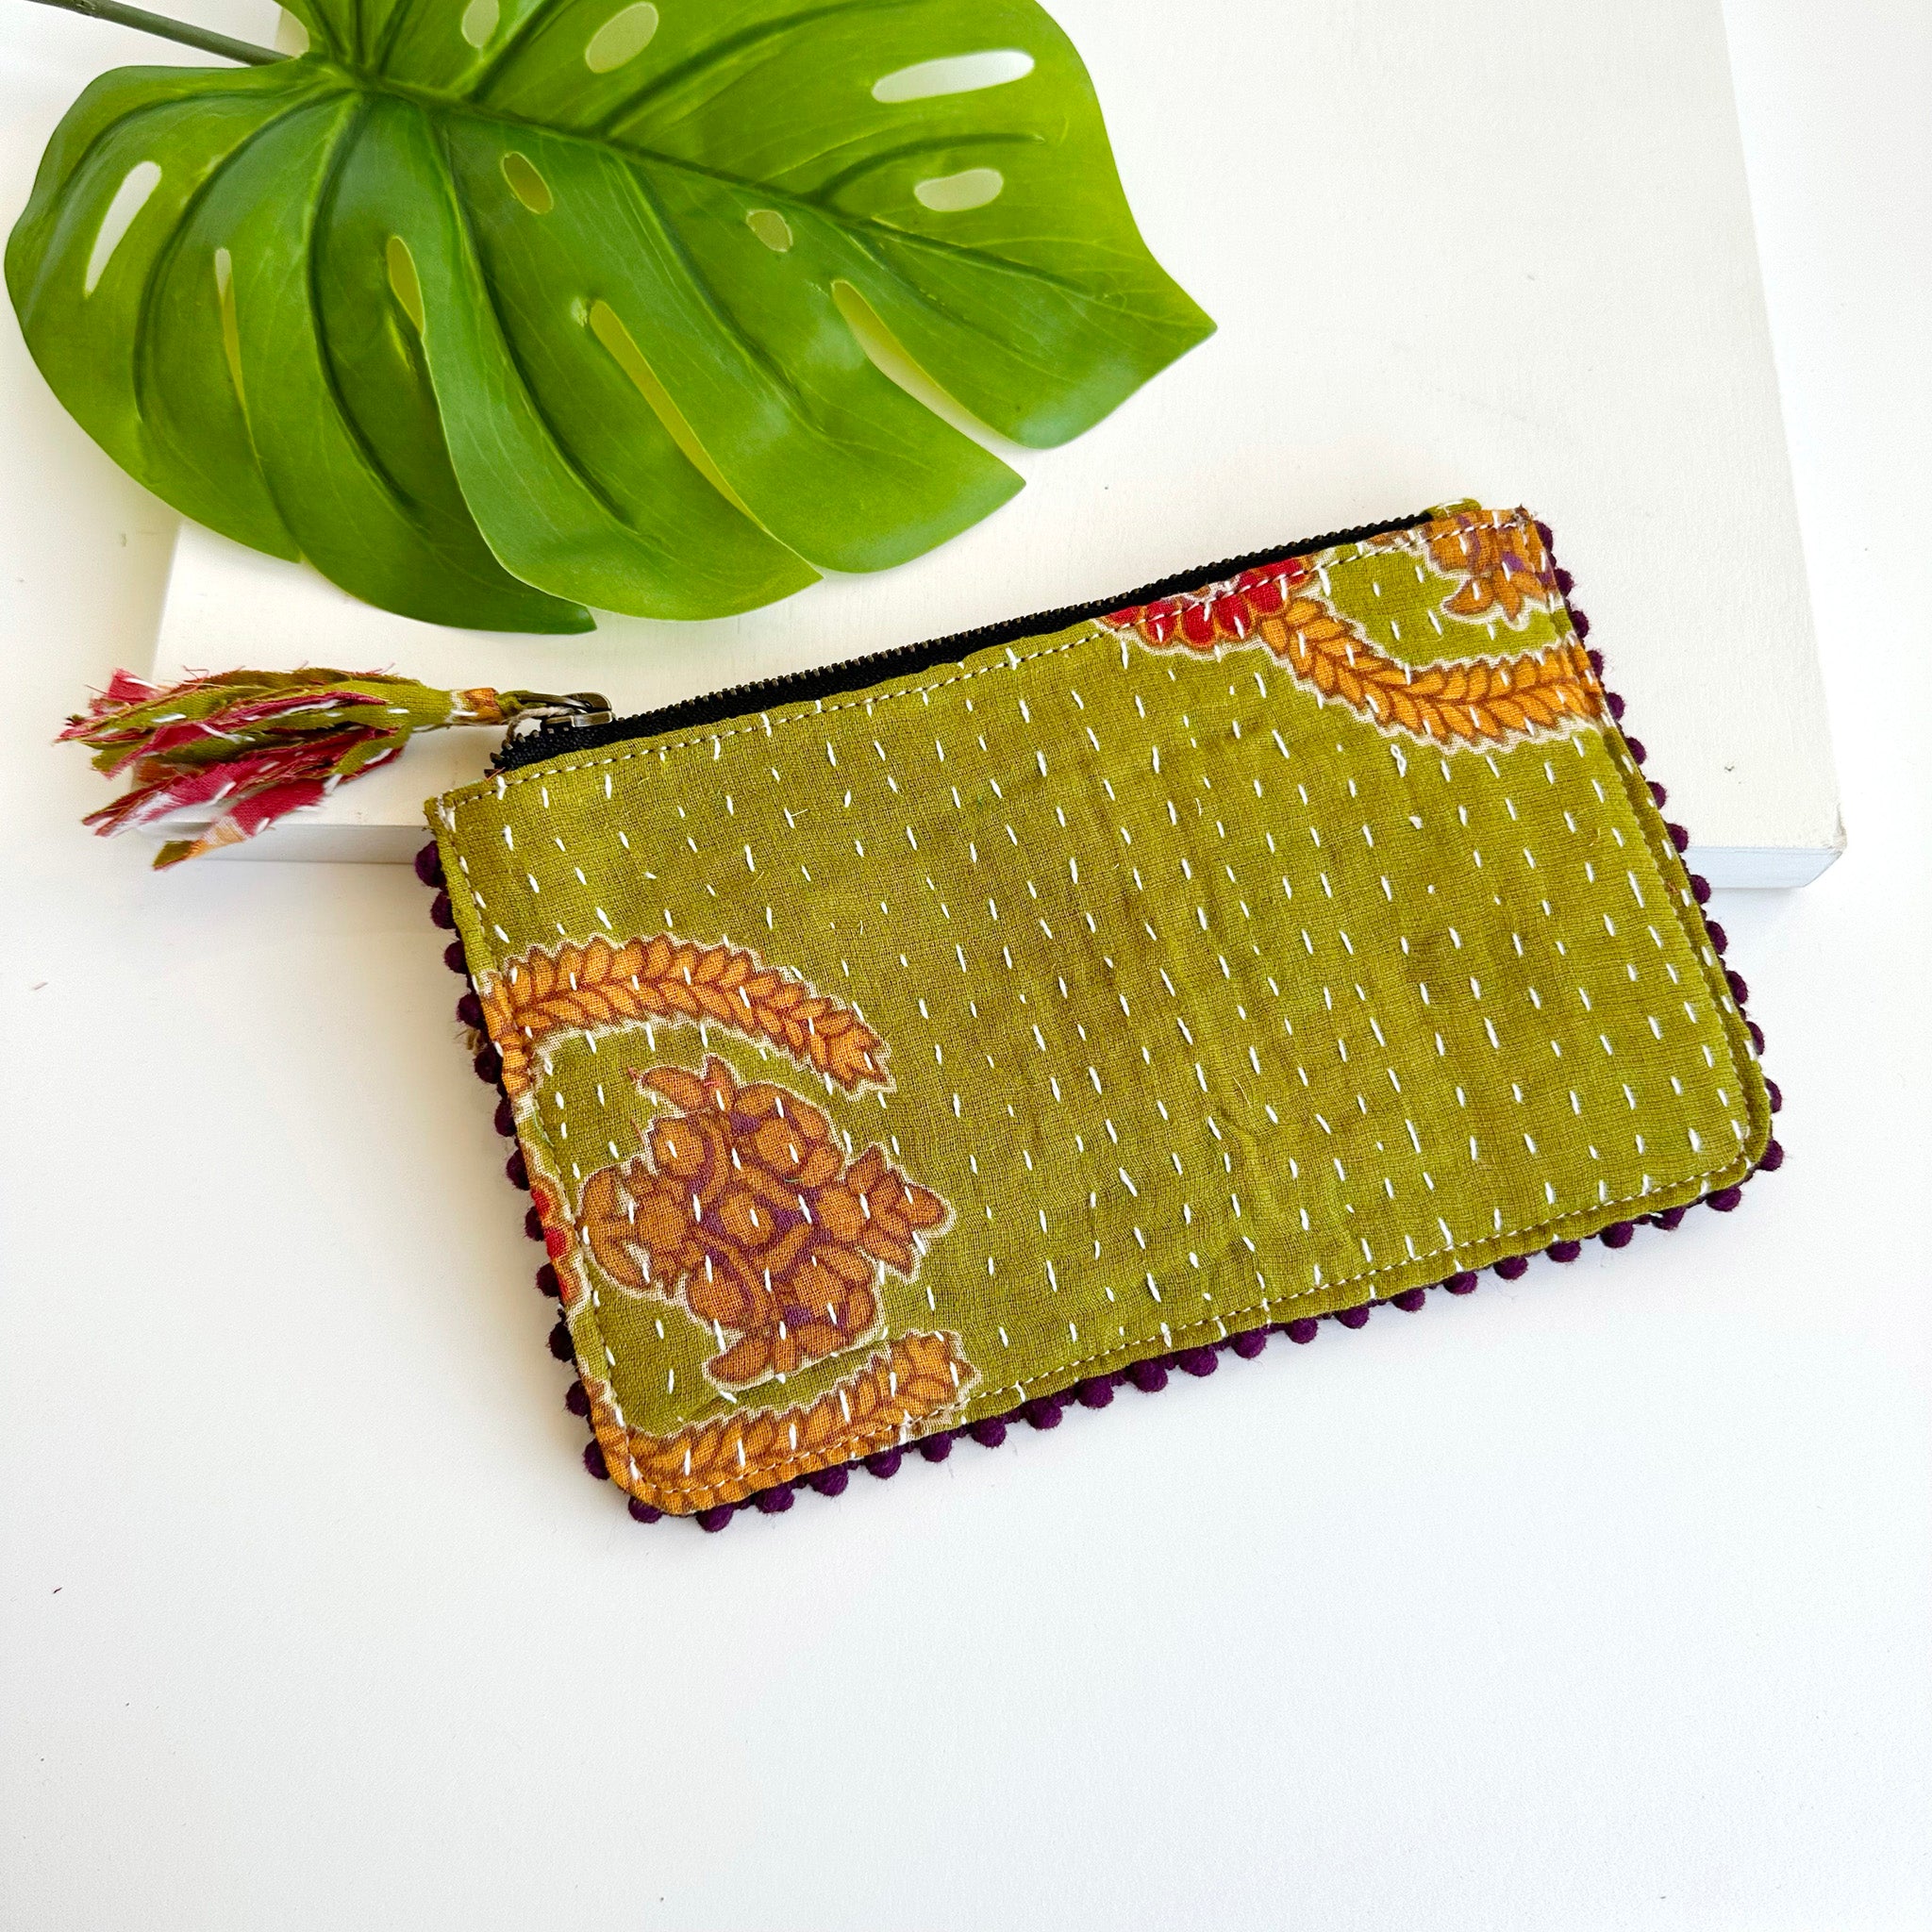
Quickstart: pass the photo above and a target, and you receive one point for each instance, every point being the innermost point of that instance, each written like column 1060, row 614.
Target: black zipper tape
column 855, row 673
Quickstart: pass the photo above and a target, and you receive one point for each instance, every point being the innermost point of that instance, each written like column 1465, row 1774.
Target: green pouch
column 900, row 1049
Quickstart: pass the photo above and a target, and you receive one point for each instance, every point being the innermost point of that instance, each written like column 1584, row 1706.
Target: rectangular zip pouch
column 897, row 1051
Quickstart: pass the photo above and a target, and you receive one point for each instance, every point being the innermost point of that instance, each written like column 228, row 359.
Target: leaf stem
column 164, row 28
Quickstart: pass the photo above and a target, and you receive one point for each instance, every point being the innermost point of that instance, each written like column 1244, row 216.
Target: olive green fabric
column 1248, row 957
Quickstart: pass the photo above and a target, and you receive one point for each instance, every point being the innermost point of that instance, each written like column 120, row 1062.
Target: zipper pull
column 534, row 715
column 244, row 748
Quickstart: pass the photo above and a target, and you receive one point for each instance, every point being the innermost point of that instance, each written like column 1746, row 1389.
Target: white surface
column 1600, row 1601
column 1502, row 252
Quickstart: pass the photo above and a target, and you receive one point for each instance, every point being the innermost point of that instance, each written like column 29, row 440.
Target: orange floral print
column 597, row 987
column 1473, row 701
column 742, row 1207
column 912, row 1380
column 1504, row 567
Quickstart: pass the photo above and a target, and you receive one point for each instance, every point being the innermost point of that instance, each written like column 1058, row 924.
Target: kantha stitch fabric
column 884, row 1063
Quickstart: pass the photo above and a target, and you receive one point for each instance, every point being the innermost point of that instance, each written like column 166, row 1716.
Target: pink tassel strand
column 248, row 747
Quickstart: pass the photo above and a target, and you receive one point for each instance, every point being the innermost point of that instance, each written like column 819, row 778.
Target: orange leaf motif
column 1504, row 567
column 912, row 1380
column 742, row 1207
column 1467, row 701
column 595, row 988
column 1473, row 701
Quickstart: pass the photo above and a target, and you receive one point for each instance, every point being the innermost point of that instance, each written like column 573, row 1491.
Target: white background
column 1601, row 1600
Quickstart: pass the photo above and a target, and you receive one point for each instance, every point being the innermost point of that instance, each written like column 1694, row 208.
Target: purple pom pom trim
column 1152, row 1375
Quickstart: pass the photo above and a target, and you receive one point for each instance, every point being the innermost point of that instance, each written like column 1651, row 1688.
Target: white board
column 1503, row 251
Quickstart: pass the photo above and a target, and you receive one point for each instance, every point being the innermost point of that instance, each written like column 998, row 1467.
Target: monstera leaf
column 500, row 309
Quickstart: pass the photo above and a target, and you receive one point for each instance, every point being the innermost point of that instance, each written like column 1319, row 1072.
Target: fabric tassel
column 255, row 745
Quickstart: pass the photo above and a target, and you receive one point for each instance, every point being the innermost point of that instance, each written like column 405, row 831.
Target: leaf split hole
column 231, row 332
column 527, row 185
column 608, row 326
column 771, row 227
column 952, row 195
column 136, row 186
column 479, row 21
column 403, row 280
column 894, row 361
column 622, row 37
column 962, row 74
